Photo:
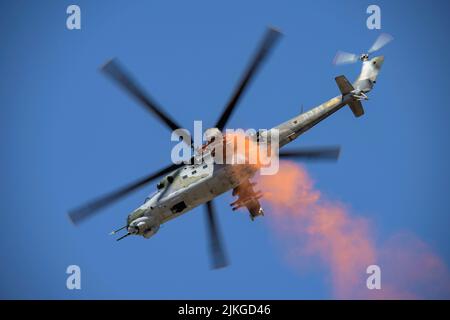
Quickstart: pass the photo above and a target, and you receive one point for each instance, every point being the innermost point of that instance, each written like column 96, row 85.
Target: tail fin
column 357, row 108
column 346, row 87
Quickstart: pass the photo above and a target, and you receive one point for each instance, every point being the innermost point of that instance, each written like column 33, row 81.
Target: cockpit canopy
column 166, row 181
column 160, row 185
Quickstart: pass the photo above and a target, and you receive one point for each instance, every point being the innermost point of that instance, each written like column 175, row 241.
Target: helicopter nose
column 133, row 229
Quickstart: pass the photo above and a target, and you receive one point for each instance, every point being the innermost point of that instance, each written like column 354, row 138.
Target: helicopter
column 187, row 185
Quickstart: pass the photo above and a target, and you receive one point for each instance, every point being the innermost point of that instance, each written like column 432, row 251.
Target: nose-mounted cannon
column 143, row 226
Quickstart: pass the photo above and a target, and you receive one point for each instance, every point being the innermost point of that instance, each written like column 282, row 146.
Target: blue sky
column 68, row 134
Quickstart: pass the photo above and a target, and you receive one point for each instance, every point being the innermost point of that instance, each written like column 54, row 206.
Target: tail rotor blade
column 343, row 57
column 381, row 41
column 219, row 259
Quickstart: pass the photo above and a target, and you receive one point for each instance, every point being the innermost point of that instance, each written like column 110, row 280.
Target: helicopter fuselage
column 192, row 185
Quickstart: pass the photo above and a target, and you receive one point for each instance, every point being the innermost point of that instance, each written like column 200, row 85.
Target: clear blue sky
column 68, row 134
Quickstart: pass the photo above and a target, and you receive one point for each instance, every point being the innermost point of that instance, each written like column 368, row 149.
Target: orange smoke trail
column 317, row 227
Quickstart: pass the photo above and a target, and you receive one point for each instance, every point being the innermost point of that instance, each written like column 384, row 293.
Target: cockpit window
column 160, row 185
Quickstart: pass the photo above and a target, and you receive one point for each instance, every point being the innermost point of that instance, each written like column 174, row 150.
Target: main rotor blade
column 80, row 214
column 381, row 41
column 113, row 69
column 343, row 57
column 219, row 259
column 267, row 43
column 322, row 153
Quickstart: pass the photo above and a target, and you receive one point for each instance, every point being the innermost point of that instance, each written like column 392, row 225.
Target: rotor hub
column 364, row 57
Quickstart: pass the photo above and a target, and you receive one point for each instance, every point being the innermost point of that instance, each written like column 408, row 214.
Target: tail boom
column 293, row 128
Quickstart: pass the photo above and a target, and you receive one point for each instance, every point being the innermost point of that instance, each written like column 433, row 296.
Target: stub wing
column 247, row 197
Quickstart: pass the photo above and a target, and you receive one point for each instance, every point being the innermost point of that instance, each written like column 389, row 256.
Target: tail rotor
column 343, row 57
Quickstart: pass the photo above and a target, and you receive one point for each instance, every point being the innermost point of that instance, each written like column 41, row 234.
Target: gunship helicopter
column 185, row 186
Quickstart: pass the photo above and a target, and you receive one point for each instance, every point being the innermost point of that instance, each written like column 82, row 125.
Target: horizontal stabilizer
column 357, row 108
column 346, row 87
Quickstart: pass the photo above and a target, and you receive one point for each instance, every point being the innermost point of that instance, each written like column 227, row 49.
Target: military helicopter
column 185, row 186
